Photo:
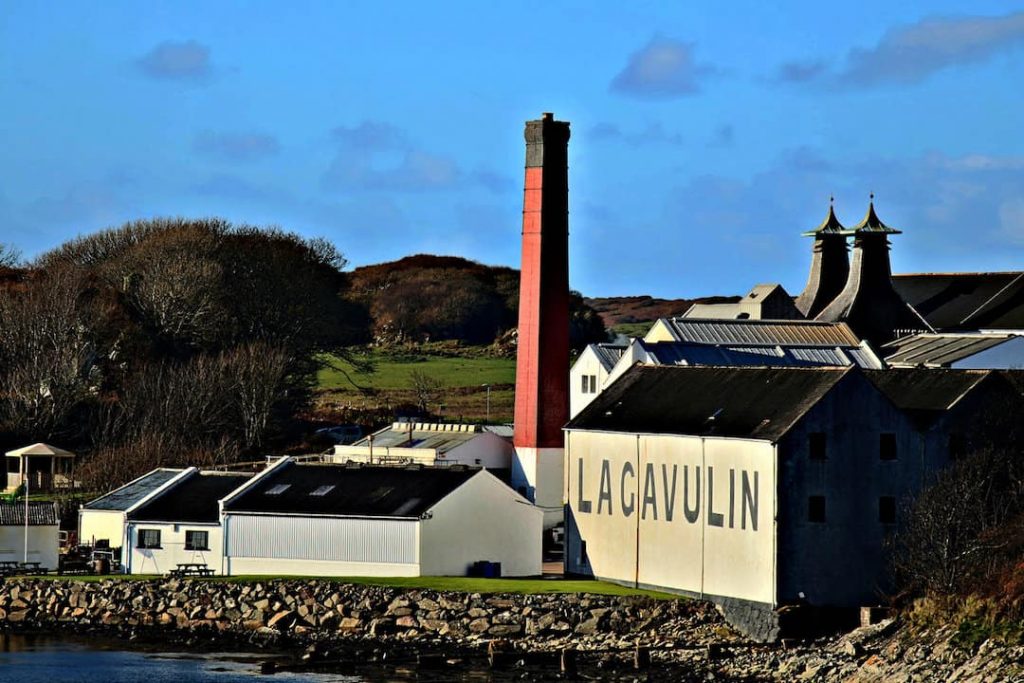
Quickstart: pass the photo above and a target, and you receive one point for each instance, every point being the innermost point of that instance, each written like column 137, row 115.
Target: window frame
column 142, row 544
column 191, row 545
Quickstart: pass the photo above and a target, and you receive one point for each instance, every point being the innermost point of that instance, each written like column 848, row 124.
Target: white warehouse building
column 362, row 520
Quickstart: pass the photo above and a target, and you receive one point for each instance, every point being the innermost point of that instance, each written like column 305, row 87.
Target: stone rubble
column 683, row 639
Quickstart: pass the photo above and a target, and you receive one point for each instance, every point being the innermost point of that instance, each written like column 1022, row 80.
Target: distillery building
column 758, row 487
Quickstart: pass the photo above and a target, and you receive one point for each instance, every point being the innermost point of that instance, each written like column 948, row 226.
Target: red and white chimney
column 542, row 362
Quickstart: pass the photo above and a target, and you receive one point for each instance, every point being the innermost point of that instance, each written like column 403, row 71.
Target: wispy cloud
column 652, row 134
column 662, row 69
column 801, row 71
column 177, row 61
column 723, row 136
column 241, row 147
column 911, row 53
column 378, row 156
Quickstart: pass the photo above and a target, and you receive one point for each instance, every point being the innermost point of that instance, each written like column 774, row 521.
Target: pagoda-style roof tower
column 869, row 303
column 830, row 265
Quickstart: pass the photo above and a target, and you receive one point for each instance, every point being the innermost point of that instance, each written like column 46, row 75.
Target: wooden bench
column 190, row 569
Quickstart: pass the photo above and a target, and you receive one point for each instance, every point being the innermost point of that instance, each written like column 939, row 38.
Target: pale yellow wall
column 609, row 533
column 101, row 524
column 659, row 332
column 481, row 520
column 643, row 544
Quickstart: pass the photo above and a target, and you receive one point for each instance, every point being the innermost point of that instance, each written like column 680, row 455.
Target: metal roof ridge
column 133, row 481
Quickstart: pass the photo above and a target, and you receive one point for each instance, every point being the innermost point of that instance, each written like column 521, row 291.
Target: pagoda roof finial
column 871, row 224
column 831, row 224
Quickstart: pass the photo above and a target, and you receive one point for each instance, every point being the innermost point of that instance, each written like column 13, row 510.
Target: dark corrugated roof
column 925, row 389
column 755, row 403
column 193, row 500
column 966, row 300
column 355, row 490
column 132, row 492
column 40, row 513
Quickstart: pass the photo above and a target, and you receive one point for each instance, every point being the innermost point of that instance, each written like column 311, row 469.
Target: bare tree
column 47, row 356
column 426, row 389
column 9, row 256
column 258, row 383
column 956, row 532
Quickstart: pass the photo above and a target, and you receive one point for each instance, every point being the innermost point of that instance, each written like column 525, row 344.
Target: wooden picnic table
column 191, row 569
column 12, row 568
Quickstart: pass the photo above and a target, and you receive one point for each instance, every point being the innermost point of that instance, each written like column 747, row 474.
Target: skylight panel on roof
column 277, row 490
column 407, row 506
column 322, row 490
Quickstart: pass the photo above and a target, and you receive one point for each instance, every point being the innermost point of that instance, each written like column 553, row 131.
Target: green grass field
column 455, row 584
column 392, row 370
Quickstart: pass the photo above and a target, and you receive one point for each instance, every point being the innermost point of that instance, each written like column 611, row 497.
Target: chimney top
column 547, row 116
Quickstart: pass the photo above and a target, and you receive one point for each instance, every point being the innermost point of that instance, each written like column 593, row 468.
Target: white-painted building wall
column 172, row 549
column 96, row 525
column 684, row 513
column 481, row 520
column 43, row 544
column 320, row 545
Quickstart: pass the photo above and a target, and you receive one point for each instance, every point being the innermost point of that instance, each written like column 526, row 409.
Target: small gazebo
column 46, row 467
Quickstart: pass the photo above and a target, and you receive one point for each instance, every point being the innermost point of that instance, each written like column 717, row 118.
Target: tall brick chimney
column 542, row 361
column 830, row 266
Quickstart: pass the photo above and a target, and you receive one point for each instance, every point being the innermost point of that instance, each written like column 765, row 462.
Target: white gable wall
column 483, row 450
column 481, row 520
column 95, row 525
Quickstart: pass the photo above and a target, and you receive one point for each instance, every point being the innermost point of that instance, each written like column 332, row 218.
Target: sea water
column 46, row 659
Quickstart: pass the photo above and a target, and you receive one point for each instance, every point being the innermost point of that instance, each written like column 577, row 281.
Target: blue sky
column 706, row 136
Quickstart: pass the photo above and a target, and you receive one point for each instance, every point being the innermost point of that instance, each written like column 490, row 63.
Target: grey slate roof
column 194, row 500
column 134, row 491
column 797, row 332
column 755, row 403
column 938, row 350
column 40, row 513
column 608, row 354
column 351, row 490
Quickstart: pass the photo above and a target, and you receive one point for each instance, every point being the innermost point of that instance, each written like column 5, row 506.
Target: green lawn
column 392, row 370
column 633, row 329
column 439, row 583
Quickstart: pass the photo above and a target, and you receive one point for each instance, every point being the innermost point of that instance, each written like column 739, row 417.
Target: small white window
column 277, row 490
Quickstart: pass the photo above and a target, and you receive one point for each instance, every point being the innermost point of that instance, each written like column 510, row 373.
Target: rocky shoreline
column 366, row 630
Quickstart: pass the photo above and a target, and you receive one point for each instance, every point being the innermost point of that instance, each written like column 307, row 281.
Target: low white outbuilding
column 428, row 443
column 181, row 524
column 362, row 520
column 103, row 521
column 38, row 541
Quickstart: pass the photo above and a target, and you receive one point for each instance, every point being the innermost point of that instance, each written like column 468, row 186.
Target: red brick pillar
column 542, row 363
